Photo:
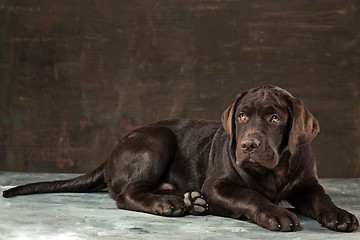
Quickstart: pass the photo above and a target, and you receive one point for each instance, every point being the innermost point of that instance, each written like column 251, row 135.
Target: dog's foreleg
column 231, row 200
column 311, row 200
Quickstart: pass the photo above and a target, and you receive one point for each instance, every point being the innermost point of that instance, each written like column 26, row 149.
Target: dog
column 240, row 167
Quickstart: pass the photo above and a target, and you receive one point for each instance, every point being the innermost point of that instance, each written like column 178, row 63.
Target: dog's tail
column 90, row 182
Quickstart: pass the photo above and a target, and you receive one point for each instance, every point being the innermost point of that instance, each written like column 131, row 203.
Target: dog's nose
column 250, row 146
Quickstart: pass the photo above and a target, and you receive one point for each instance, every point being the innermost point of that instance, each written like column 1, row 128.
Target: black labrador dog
column 258, row 155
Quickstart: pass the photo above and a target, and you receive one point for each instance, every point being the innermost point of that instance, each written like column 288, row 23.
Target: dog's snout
column 250, row 145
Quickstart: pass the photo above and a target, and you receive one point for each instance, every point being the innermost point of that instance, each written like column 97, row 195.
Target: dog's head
column 265, row 122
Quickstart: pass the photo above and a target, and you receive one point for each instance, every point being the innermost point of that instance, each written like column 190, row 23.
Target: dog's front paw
column 338, row 220
column 277, row 218
column 195, row 203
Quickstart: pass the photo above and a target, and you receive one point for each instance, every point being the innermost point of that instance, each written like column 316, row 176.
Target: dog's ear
column 304, row 126
column 228, row 117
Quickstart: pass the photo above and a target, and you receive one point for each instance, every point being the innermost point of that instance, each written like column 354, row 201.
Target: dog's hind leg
column 137, row 197
column 136, row 169
column 195, row 202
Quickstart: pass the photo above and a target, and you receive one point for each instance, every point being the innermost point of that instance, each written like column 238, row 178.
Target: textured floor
column 95, row 216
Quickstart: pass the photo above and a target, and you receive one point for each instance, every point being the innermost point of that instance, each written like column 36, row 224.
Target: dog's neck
column 275, row 183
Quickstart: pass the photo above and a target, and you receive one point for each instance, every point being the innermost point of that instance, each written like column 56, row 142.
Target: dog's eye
column 242, row 117
column 274, row 119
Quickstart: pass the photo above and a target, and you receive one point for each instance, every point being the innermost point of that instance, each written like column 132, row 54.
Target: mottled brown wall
column 76, row 75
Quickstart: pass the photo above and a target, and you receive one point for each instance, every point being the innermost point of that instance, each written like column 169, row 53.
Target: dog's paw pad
column 199, row 210
column 200, row 202
column 195, row 203
column 195, row 194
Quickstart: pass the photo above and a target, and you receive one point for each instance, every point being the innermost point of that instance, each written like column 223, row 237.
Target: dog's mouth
column 264, row 160
column 251, row 160
column 247, row 159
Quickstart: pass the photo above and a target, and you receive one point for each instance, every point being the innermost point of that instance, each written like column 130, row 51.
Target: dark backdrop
column 76, row 75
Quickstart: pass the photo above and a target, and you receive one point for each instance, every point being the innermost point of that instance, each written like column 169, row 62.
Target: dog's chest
column 274, row 183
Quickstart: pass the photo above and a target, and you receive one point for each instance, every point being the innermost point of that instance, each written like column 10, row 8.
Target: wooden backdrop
column 76, row 75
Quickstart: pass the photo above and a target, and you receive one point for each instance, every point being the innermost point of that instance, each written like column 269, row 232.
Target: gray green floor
column 95, row 216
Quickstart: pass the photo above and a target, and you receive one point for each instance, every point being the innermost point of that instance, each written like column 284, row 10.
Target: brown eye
column 242, row 117
column 274, row 119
